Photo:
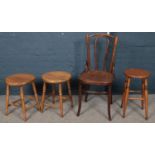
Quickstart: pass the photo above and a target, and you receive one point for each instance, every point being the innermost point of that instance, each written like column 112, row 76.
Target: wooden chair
column 142, row 75
column 20, row 80
column 94, row 76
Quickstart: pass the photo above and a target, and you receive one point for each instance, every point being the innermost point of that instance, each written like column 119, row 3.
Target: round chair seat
column 56, row 77
column 137, row 73
column 96, row 77
column 19, row 79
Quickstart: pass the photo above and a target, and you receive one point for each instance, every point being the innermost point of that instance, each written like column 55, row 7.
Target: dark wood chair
column 95, row 76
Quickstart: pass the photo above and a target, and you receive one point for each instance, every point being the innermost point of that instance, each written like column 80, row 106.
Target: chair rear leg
column 80, row 99
column 86, row 95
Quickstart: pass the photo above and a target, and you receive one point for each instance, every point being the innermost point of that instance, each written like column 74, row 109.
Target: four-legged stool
column 53, row 78
column 20, row 80
column 136, row 74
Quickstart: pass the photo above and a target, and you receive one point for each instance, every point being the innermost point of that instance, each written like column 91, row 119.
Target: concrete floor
column 94, row 111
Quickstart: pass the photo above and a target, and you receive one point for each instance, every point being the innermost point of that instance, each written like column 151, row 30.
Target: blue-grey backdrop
column 42, row 52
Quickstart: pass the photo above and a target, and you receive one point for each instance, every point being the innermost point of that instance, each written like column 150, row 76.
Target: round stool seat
column 19, row 79
column 137, row 73
column 56, row 77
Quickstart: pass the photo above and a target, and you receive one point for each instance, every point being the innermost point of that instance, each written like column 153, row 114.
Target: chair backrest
column 110, row 51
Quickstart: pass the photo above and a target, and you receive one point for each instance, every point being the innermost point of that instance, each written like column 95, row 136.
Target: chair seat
column 19, row 79
column 56, row 77
column 137, row 73
column 96, row 78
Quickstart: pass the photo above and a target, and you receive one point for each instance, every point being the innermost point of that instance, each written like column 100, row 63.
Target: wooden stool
column 136, row 74
column 20, row 80
column 57, row 77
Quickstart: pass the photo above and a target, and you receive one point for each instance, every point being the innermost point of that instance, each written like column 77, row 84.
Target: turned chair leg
column 126, row 96
column 109, row 102
column 23, row 103
column 80, row 99
column 53, row 94
column 43, row 97
column 35, row 95
column 7, row 98
column 60, row 100
column 146, row 98
column 70, row 93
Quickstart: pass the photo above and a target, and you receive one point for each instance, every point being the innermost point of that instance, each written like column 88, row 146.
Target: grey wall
column 42, row 52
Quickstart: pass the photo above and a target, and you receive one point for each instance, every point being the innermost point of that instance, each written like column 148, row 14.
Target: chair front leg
column 109, row 101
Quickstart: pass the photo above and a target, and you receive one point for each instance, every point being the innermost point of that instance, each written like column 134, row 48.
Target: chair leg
column 146, row 99
column 7, row 98
column 86, row 95
column 70, row 93
column 43, row 97
column 109, row 102
column 60, row 100
column 53, row 94
column 23, row 103
column 35, row 95
column 126, row 97
column 79, row 98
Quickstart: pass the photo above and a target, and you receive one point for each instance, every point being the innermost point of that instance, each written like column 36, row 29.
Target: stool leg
column 23, row 103
column 143, row 94
column 70, row 93
column 126, row 96
column 109, row 102
column 80, row 98
column 43, row 97
column 146, row 99
column 60, row 100
column 7, row 98
column 124, row 91
column 53, row 94
column 35, row 95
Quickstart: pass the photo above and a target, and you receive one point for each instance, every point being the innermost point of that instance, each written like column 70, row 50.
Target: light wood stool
column 20, row 80
column 57, row 77
column 136, row 74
